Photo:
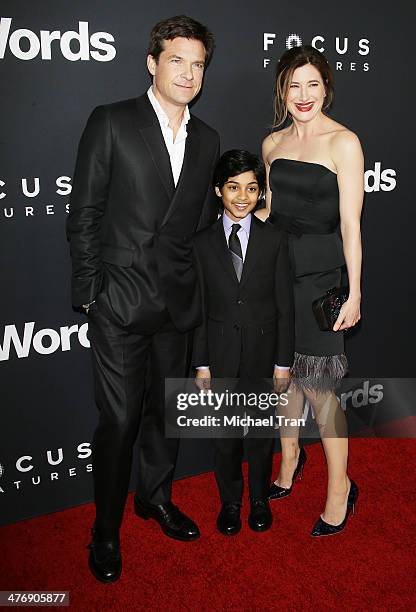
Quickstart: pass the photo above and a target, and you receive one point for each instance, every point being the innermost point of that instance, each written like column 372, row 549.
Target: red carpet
column 370, row 566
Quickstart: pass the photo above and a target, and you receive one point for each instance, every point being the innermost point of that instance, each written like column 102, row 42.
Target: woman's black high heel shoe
column 324, row 529
column 277, row 492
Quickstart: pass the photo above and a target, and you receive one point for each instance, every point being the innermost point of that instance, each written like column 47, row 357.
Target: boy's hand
column 203, row 379
column 281, row 379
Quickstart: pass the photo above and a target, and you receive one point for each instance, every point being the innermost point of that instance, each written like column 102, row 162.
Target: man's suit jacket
column 248, row 323
column 130, row 230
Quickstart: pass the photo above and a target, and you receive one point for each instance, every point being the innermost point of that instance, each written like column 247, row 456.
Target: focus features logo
column 350, row 52
column 43, row 342
column 30, row 189
column 31, row 472
column 74, row 45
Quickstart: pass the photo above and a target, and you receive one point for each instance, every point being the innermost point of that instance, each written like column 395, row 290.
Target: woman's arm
column 349, row 160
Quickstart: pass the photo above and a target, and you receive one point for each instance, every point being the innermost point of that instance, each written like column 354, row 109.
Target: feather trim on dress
column 318, row 373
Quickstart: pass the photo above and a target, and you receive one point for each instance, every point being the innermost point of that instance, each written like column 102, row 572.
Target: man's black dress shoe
column 229, row 521
column 260, row 517
column 105, row 559
column 172, row 521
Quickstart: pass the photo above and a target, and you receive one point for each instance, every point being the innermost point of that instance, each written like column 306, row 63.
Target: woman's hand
column 349, row 314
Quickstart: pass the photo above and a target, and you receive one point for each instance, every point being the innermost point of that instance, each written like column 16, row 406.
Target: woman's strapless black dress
column 305, row 204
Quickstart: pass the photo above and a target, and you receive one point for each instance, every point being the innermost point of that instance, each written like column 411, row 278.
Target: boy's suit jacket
column 248, row 323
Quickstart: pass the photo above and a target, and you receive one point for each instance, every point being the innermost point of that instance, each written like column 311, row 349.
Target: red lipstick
column 304, row 108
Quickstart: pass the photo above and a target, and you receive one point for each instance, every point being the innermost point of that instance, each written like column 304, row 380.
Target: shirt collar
column 161, row 115
column 245, row 223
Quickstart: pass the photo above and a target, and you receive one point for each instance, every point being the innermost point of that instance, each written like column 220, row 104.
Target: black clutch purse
column 326, row 308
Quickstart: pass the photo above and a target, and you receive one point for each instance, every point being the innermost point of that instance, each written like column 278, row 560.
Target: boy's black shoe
column 228, row 521
column 260, row 517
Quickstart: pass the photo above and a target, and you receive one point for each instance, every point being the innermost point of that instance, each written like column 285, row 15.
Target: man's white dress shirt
column 176, row 149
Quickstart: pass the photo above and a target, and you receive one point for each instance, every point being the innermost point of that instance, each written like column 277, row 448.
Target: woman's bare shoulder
column 271, row 142
column 345, row 142
column 340, row 134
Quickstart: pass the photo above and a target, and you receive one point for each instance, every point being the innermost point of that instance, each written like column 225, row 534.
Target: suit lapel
column 152, row 135
column 254, row 249
column 190, row 160
column 220, row 248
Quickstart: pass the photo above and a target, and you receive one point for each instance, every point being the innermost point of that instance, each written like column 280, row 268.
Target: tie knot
column 234, row 228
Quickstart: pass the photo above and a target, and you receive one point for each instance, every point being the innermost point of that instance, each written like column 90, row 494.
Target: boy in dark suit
column 248, row 326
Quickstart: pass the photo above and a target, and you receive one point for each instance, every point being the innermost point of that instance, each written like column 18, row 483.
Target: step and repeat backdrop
column 58, row 61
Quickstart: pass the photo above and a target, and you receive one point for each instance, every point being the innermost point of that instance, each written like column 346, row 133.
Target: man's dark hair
column 237, row 161
column 180, row 26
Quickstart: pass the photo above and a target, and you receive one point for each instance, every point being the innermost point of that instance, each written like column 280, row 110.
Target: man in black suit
column 248, row 325
column 142, row 187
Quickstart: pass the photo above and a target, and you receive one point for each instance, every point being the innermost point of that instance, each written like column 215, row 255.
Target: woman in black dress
column 316, row 186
